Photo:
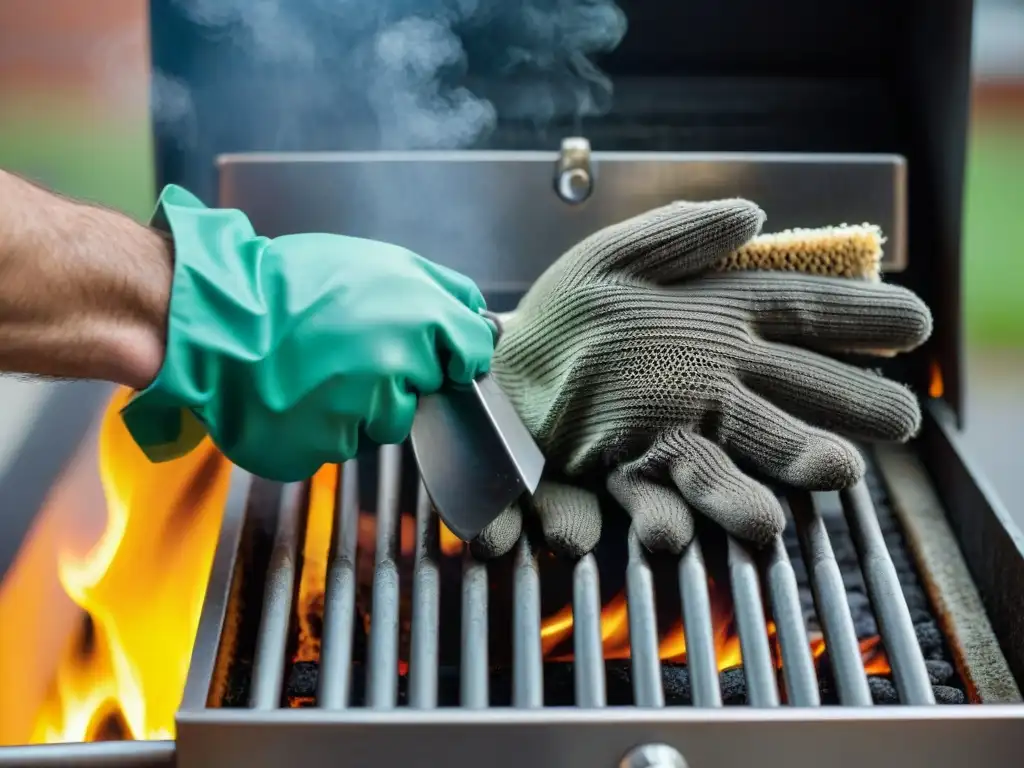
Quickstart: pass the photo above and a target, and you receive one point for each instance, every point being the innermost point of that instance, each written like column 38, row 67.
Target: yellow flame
column 315, row 551
column 142, row 585
column 449, row 543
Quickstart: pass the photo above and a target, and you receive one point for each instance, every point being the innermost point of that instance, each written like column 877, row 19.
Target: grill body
column 325, row 192
column 785, row 722
column 688, row 78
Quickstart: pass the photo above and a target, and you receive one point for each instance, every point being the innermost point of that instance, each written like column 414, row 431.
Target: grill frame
column 852, row 738
column 992, row 547
column 706, row 735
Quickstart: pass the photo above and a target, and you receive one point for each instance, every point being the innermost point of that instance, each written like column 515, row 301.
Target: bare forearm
column 83, row 290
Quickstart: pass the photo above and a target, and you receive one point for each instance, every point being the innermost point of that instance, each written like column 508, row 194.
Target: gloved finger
column 457, row 284
column 714, row 486
column 832, row 394
column 394, row 415
column 669, row 243
column 570, row 518
column 348, row 441
column 828, row 313
column 467, row 342
column 661, row 518
column 500, row 535
column 786, row 449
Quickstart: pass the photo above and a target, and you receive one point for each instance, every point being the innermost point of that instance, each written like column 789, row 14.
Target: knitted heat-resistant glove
column 629, row 359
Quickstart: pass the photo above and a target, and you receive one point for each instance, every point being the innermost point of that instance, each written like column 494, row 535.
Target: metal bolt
column 574, row 177
column 653, row 756
column 574, row 185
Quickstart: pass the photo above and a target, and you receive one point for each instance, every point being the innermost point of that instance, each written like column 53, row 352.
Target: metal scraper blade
column 474, row 453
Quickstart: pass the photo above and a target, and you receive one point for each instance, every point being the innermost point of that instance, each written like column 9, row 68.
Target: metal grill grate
column 770, row 574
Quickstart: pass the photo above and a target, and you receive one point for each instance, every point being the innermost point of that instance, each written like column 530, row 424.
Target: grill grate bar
column 698, row 628
column 527, row 655
column 761, row 661
column 909, row 673
column 382, row 674
column 758, row 666
column 426, row 597
column 643, row 628
column 275, row 618
column 474, row 683
column 335, row 678
column 830, row 603
column 588, row 652
column 797, row 662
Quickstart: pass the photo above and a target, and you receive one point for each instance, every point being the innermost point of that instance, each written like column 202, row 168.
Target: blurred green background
column 993, row 254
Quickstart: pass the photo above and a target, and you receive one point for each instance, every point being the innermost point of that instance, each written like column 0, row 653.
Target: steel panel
column 882, row 737
column 496, row 216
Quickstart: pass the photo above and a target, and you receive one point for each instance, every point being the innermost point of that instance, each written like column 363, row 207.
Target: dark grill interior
column 427, row 629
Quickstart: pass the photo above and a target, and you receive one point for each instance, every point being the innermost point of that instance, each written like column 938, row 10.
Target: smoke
column 412, row 106
column 398, row 74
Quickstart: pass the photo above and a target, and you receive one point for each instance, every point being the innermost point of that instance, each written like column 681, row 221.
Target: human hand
column 285, row 351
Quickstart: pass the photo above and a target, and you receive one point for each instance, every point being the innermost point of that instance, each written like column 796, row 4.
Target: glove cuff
column 167, row 419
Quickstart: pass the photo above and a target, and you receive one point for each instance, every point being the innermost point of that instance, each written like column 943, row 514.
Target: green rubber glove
column 284, row 351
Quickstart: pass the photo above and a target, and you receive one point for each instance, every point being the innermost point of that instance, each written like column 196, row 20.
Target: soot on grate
column 561, row 670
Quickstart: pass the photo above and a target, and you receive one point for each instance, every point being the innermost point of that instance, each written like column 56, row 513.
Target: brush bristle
column 844, row 251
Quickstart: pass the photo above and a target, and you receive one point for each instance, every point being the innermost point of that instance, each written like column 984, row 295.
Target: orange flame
column 142, row 585
column 448, row 542
column 936, row 386
column 557, row 629
column 315, row 551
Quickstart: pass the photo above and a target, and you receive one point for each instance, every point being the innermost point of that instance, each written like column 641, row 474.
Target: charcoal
column 734, row 687
column 863, row 619
column 882, row 691
column 893, row 541
column 677, row 685
column 301, row 682
column 618, row 683
column 920, row 615
column 845, row 554
column 945, row 694
column 939, row 672
column 865, row 625
column 236, row 693
column 852, row 579
column 559, row 685
column 500, row 682
column 904, row 570
column 930, row 639
column 916, row 598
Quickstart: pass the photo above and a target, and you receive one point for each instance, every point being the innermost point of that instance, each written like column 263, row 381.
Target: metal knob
column 653, row 756
column 574, row 178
